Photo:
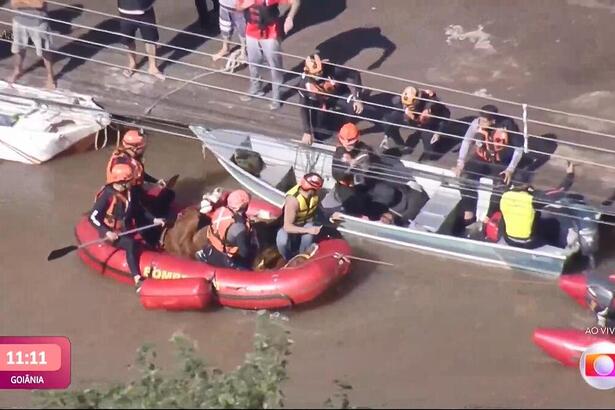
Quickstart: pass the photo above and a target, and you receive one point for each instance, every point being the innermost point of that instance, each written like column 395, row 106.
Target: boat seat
column 555, row 250
column 282, row 177
column 439, row 213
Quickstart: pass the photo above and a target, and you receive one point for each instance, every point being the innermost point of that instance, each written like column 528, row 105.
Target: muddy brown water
column 430, row 332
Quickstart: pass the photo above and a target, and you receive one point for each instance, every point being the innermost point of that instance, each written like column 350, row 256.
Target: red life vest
column 116, row 207
column 494, row 141
column 262, row 14
column 221, row 221
column 124, row 156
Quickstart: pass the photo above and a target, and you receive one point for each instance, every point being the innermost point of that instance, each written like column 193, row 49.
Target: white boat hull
column 38, row 131
column 546, row 261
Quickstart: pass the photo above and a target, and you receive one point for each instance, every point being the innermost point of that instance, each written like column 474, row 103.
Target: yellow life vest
column 519, row 214
column 306, row 210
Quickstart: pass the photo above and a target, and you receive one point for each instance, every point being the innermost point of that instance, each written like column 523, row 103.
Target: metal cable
column 373, row 73
column 105, row 46
column 337, row 65
column 494, row 192
column 404, row 126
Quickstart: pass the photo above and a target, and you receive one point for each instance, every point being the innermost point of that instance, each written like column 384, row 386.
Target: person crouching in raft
column 131, row 152
column 230, row 234
column 114, row 212
column 299, row 231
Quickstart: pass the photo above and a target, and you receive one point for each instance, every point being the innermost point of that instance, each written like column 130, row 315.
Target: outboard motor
column 600, row 298
column 580, row 230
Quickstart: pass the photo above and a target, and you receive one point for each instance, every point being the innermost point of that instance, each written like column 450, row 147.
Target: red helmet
column 120, row 173
column 348, row 135
column 237, row 200
column 311, row 182
column 133, row 139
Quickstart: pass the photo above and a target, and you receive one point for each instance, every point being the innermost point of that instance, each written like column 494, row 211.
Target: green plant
column 254, row 384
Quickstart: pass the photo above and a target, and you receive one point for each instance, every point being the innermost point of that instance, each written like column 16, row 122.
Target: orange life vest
column 124, row 156
column 494, row 141
column 221, row 221
column 119, row 203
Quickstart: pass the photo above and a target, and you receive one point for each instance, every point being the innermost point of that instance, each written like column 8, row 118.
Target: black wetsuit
column 127, row 215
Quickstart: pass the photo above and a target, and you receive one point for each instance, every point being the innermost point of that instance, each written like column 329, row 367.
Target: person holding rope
column 115, row 211
column 419, row 109
column 300, row 212
column 318, row 80
column 498, row 151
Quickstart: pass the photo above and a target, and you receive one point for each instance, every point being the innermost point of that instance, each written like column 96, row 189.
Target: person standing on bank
column 263, row 40
column 139, row 15
column 35, row 27
column 231, row 20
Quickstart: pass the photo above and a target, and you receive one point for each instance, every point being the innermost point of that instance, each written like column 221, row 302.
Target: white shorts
column 38, row 34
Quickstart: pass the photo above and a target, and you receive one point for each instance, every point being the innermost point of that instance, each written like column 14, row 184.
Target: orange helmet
column 408, row 96
column 348, row 135
column 133, row 139
column 313, row 64
column 237, row 200
column 120, row 173
column 311, row 182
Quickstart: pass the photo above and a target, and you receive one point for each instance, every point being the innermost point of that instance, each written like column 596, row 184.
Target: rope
column 291, row 72
column 379, row 175
column 372, row 73
column 402, row 126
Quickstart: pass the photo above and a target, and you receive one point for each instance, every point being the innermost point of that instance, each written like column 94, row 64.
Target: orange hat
column 120, row 173
column 237, row 200
column 348, row 135
column 311, row 182
column 313, row 64
column 408, row 96
column 133, row 139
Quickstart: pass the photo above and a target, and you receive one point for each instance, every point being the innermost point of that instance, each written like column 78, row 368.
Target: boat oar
column 58, row 253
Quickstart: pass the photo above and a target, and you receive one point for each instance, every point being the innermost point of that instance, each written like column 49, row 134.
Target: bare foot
column 128, row 72
column 156, row 73
column 16, row 75
column 219, row 55
column 51, row 84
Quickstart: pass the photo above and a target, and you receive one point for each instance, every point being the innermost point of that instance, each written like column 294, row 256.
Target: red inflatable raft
column 575, row 286
column 567, row 345
column 184, row 284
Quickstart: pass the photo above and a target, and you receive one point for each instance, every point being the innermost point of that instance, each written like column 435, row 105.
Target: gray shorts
column 231, row 20
column 38, row 34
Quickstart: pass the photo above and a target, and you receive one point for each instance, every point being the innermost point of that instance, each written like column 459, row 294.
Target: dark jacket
column 135, row 5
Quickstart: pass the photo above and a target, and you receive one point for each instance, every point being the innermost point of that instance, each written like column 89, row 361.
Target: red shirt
column 273, row 30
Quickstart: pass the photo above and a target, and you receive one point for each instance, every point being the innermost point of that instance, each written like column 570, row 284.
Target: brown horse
column 188, row 234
